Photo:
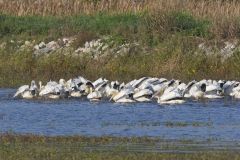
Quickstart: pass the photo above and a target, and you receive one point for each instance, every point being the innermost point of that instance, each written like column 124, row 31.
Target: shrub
column 186, row 23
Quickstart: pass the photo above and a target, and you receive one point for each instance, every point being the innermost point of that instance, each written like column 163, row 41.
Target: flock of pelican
column 145, row 89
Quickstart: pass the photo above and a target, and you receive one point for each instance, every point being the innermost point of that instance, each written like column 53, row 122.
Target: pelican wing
column 52, row 83
column 98, row 82
column 94, row 95
column 139, row 82
column 212, row 88
column 171, row 95
column 101, row 85
column 119, row 95
column 48, row 89
column 123, row 93
column 21, row 90
column 144, row 92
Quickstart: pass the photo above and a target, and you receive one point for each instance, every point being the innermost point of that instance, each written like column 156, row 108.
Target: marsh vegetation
column 39, row 147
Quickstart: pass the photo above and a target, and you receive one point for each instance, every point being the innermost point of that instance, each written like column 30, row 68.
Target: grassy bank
column 39, row 147
column 168, row 32
column 21, row 68
column 224, row 14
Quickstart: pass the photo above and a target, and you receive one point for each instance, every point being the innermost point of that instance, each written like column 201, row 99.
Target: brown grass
column 206, row 8
column 203, row 8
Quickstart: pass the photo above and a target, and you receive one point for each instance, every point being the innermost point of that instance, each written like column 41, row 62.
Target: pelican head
column 221, row 83
column 62, row 82
column 203, row 87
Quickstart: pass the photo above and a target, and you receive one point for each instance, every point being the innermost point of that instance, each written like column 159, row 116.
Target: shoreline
column 29, row 146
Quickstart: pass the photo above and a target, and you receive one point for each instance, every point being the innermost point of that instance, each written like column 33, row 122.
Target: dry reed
column 202, row 8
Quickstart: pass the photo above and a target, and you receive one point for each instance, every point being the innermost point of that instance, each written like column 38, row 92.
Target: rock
column 95, row 48
column 27, row 43
column 36, row 47
column 205, row 49
column 42, row 51
column 3, row 45
column 105, row 47
column 52, row 46
column 228, row 50
column 87, row 45
column 65, row 41
column 229, row 47
column 60, row 42
column 42, row 45
column 224, row 50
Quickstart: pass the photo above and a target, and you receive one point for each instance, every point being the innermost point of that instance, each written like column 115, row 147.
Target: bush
column 186, row 23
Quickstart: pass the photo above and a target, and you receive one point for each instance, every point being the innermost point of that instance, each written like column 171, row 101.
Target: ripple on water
column 212, row 119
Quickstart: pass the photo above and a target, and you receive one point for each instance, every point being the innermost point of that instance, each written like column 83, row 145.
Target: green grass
column 26, row 147
column 54, row 27
column 184, row 22
column 168, row 43
column 171, row 59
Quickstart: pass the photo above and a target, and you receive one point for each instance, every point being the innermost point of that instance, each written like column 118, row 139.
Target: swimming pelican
column 195, row 90
column 229, row 86
column 26, row 91
column 173, row 96
column 213, row 90
column 143, row 95
column 123, row 96
column 53, row 90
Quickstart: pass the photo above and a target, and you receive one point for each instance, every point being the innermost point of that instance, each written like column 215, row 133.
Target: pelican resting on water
column 26, row 91
column 123, row 96
column 173, row 94
column 145, row 89
column 54, row 90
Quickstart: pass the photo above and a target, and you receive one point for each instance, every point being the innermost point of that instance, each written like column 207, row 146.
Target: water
column 215, row 119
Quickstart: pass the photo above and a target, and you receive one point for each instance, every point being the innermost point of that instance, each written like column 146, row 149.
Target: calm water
column 217, row 119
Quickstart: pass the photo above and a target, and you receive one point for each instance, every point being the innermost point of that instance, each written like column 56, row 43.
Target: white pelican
column 86, row 88
column 236, row 92
column 213, row 90
column 143, row 95
column 95, row 96
column 173, row 96
column 229, row 86
column 53, row 90
column 123, row 96
column 27, row 92
column 195, row 90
